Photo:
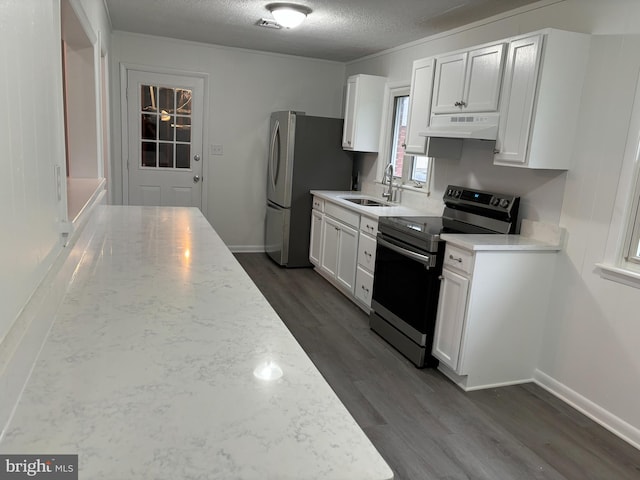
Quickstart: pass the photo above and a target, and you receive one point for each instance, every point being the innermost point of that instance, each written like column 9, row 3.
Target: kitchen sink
column 367, row 202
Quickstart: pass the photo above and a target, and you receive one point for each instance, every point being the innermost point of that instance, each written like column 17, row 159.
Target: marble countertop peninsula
column 148, row 370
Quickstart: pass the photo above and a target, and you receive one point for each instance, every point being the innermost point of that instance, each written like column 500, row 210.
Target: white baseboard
column 615, row 425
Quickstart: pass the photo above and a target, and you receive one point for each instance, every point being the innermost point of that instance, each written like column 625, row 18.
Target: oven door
column 406, row 287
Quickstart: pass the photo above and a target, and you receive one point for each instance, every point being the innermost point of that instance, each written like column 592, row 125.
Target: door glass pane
column 148, row 154
column 161, row 129
column 165, row 129
column 165, row 155
column 183, row 129
column 166, row 100
column 183, row 156
column 183, row 101
column 148, row 95
column 148, row 126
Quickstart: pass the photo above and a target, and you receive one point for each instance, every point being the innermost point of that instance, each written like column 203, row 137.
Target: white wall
column 32, row 139
column 244, row 87
column 590, row 354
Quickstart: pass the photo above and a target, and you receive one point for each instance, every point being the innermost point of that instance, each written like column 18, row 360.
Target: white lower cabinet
column 366, row 262
column 452, row 306
column 489, row 323
column 343, row 249
column 364, row 287
column 315, row 243
column 338, row 252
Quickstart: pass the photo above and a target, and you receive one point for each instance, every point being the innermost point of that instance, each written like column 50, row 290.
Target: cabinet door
column 484, row 75
column 329, row 251
column 419, row 105
column 347, row 257
column 315, row 242
column 518, row 96
column 349, row 115
column 449, row 82
column 452, row 306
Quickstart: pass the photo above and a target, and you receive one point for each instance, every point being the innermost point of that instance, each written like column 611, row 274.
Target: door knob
column 196, row 178
column 196, row 157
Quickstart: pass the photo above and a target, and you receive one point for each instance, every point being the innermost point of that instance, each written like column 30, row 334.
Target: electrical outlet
column 215, row 149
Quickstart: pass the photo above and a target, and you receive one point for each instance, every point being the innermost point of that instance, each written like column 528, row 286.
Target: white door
column 165, row 125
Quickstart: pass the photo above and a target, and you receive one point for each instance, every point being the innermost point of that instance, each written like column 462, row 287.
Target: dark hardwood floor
column 421, row 423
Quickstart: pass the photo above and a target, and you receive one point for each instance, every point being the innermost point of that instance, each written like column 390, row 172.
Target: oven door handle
column 427, row 260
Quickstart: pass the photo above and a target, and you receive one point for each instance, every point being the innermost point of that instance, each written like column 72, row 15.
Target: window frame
column 624, row 229
column 393, row 91
column 630, row 252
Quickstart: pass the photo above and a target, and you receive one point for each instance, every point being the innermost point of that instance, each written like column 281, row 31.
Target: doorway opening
column 82, row 112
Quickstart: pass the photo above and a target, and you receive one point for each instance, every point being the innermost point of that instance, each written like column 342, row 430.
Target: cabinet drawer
column 364, row 286
column 342, row 214
column 367, row 252
column 458, row 259
column 369, row 225
column 318, row 204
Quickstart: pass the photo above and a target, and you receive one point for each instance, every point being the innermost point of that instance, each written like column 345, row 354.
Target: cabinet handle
column 496, row 151
column 365, row 289
column 451, row 257
column 457, row 104
column 463, row 104
column 367, row 253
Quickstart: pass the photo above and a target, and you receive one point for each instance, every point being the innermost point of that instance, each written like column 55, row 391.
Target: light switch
column 215, row 149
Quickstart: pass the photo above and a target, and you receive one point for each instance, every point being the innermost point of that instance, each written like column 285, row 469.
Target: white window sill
column 618, row 274
column 407, row 186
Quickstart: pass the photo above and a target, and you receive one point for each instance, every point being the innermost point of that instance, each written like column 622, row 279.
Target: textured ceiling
column 339, row 30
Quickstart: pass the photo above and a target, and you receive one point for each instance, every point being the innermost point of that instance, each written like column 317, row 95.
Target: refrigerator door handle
column 275, row 156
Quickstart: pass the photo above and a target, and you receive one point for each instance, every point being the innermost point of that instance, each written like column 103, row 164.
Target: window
column 621, row 262
column 408, row 170
column 632, row 247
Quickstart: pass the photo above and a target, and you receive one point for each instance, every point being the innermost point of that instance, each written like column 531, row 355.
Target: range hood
column 482, row 126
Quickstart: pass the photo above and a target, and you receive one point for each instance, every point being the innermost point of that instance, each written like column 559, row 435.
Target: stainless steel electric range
column 409, row 259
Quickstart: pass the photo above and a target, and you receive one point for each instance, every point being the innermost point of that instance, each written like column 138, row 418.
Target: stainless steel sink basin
column 367, row 202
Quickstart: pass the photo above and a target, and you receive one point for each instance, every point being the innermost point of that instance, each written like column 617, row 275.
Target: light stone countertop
column 394, row 210
column 496, row 242
column 147, row 371
column 534, row 236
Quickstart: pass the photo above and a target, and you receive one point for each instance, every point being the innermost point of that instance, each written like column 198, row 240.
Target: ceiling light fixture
column 288, row 15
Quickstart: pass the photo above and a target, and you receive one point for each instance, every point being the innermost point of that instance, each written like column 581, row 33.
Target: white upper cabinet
column 363, row 113
column 468, row 81
column 419, row 105
column 540, row 99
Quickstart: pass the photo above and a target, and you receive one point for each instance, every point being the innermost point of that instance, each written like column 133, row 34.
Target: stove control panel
column 503, row 202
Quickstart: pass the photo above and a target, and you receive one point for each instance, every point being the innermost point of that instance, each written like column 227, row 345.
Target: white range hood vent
column 482, row 126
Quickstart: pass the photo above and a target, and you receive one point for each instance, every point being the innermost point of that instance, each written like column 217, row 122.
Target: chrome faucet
column 388, row 176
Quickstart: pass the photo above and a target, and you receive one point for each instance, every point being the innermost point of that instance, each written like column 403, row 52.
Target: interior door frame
column 124, row 125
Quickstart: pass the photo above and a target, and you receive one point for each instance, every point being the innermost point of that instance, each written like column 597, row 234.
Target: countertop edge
column 496, row 242
column 395, row 210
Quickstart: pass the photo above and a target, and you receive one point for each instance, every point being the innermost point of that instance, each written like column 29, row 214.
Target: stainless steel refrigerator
column 305, row 153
